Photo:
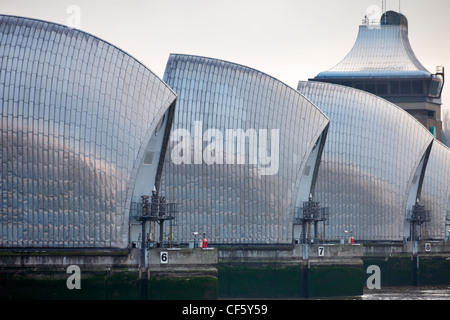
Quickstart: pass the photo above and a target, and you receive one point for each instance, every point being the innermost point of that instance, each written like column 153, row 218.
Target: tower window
column 382, row 88
column 417, row 87
column 405, row 87
column 395, row 87
column 371, row 88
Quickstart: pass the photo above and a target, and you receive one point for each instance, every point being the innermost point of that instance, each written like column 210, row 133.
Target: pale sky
column 290, row 40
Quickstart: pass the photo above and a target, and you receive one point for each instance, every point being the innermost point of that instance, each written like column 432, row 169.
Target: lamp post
column 347, row 236
column 195, row 234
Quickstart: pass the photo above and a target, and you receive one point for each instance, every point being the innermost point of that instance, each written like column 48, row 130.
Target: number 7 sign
column 321, row 251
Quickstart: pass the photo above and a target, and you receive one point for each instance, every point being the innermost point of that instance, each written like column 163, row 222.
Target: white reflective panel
column 236, row 202
column 366, row 174
column 65, row 182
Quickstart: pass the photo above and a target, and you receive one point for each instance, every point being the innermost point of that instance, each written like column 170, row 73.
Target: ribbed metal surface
column 379, row 51
column 76, row 116
column 436, row 191
column 236, row 203
column 372, row 153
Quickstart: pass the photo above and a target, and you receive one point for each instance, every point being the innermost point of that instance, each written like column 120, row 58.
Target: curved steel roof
column 77, row 116
column 370, row 161
column 234, row 202
column 380, row 51
column 436, row 191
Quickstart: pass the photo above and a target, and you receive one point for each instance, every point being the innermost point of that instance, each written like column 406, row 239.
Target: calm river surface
column 408, row 293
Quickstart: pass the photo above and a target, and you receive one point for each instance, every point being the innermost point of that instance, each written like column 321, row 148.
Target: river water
column 408, row 293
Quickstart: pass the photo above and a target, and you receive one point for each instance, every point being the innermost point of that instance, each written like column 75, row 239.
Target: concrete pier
column 279, row 272
column 300, row 271
column 412, row 264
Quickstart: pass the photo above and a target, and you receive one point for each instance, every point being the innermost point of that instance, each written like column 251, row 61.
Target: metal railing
column 160, row 208
column 309, row 216
column 418, row 218
column 311, row 212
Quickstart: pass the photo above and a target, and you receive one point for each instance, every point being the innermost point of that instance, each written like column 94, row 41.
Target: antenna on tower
column 384, row 9
column 399, row 6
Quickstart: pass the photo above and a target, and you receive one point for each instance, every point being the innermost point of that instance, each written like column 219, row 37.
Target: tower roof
column 380, row 51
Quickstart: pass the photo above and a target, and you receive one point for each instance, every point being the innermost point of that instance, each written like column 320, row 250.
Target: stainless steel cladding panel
column 379, row 51
column 436, row 192
column 246, row 194
column 76, row 116
column 370, row 162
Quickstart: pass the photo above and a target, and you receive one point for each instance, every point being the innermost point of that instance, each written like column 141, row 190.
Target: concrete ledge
column 282, row 254
column 398, row 249
column 180, row 271
column 182, row 257
column 57, row 258
column 336, row 262
column 335, row 252
column 294, row 254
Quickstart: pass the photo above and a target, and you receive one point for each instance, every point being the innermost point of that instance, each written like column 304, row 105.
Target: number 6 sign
column 164, row 257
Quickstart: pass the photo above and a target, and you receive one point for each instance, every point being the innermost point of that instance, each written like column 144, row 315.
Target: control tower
column 382, row 62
